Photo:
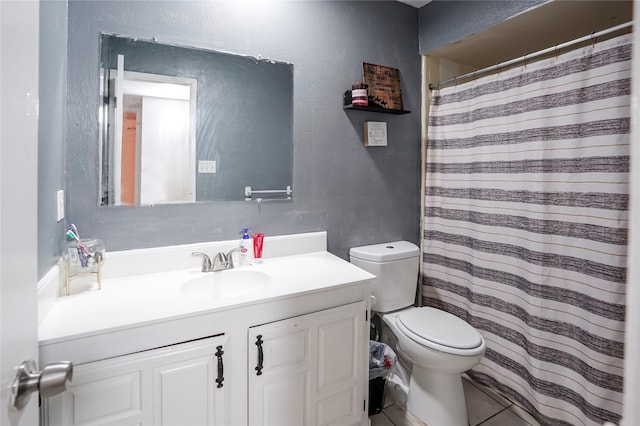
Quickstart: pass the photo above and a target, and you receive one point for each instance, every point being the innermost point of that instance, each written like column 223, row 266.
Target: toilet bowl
column 438, row 345
column 439, row 353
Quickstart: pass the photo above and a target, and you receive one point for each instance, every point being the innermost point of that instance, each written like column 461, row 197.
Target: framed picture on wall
column 384, row 85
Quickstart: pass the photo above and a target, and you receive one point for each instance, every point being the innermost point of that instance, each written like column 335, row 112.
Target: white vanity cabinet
column 310, row 369
column 181, row 384
column 147, row 353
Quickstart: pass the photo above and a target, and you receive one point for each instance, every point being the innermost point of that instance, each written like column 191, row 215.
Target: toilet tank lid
column 386, row 252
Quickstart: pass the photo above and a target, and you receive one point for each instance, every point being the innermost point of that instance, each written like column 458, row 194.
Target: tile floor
column 484, row 407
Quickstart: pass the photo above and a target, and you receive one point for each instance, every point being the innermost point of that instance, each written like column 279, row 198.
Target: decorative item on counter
column 258, row 240
column 84, row 256
column 359, row 93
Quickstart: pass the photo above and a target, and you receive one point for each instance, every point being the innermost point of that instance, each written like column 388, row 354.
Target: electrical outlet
column 206, row 166
column 60, row 204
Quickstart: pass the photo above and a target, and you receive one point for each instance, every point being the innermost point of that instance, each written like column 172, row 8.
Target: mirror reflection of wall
column 192, row 125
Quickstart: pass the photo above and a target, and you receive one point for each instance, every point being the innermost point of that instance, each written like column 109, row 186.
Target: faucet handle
column 206, row 261
column 230, row 256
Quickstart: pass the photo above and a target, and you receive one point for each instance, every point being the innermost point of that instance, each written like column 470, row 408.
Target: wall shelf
column 347, row 105
column 372, row 108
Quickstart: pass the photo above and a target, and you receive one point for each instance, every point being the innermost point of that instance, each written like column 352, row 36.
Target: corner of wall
column 49, row 288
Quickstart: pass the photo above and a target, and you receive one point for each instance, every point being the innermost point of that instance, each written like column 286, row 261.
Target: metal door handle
column 52, row 380
column 220, row 378
column 259, row 367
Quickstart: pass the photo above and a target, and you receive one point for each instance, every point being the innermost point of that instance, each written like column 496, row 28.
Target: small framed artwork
column 384, row 86
column 375, row 133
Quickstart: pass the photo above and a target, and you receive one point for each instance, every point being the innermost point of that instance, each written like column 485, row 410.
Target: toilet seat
column 439, row 330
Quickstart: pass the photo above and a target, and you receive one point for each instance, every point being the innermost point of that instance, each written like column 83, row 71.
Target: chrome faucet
column 224, row 261
column 221, row 261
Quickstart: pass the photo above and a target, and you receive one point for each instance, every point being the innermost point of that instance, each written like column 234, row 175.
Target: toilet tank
column 396, row 266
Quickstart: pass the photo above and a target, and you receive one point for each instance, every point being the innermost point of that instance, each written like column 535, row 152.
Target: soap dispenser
column 245, row 246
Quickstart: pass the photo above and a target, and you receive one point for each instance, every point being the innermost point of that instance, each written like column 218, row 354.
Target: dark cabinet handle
column 260, row 355
column 220, row 378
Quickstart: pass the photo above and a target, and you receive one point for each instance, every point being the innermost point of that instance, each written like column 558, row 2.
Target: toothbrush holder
column 84, row 258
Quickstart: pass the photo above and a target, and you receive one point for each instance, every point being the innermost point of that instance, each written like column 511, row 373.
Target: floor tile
column 524, row 414
column 485, row 407
column 489, row 391
column 401, row 417
column 505, row 418
column 480, row 406
column 380, row 420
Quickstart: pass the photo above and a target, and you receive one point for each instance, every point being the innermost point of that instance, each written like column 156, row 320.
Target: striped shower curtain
column 525, row 227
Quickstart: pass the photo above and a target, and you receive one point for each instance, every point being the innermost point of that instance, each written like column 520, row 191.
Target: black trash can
column 376, row 394
column 381, row 360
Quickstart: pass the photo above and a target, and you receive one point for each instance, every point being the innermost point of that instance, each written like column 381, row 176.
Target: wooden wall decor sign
column 384, row 85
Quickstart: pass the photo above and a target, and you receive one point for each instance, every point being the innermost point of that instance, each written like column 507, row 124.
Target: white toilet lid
column 440, row 327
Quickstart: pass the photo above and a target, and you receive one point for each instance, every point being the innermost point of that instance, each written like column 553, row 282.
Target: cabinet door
column 313, row 369
column 185, row 389
column 175, row 385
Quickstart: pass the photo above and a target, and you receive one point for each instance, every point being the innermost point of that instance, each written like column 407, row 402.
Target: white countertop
column 138, row 300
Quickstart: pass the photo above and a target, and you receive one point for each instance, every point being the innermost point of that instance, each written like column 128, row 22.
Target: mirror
column 181, row 124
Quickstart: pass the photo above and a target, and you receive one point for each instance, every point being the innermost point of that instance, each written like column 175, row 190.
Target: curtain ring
column 525, row 60
column 593, row 39
column 556, row 50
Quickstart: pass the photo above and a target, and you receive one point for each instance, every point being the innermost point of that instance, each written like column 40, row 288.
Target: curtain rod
column 555, row 48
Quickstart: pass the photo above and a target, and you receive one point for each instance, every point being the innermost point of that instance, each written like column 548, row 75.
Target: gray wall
column 359, row 195
column 51, row 130
column 445, row 21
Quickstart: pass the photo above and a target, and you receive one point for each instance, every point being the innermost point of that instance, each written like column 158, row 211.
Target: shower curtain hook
column 556, row 50
column 525, row 60
column 593, row 39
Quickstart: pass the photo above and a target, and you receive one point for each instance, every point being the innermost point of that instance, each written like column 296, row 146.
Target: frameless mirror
column 181, row 124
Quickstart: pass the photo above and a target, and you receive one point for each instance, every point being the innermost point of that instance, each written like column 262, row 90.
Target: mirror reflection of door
column 166, row 168
column 130, row 181
column 153, row 146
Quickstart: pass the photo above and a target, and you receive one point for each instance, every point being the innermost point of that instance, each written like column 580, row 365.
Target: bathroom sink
column 230, row 283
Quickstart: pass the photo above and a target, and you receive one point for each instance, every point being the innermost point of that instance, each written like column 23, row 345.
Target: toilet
column 439, row 345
